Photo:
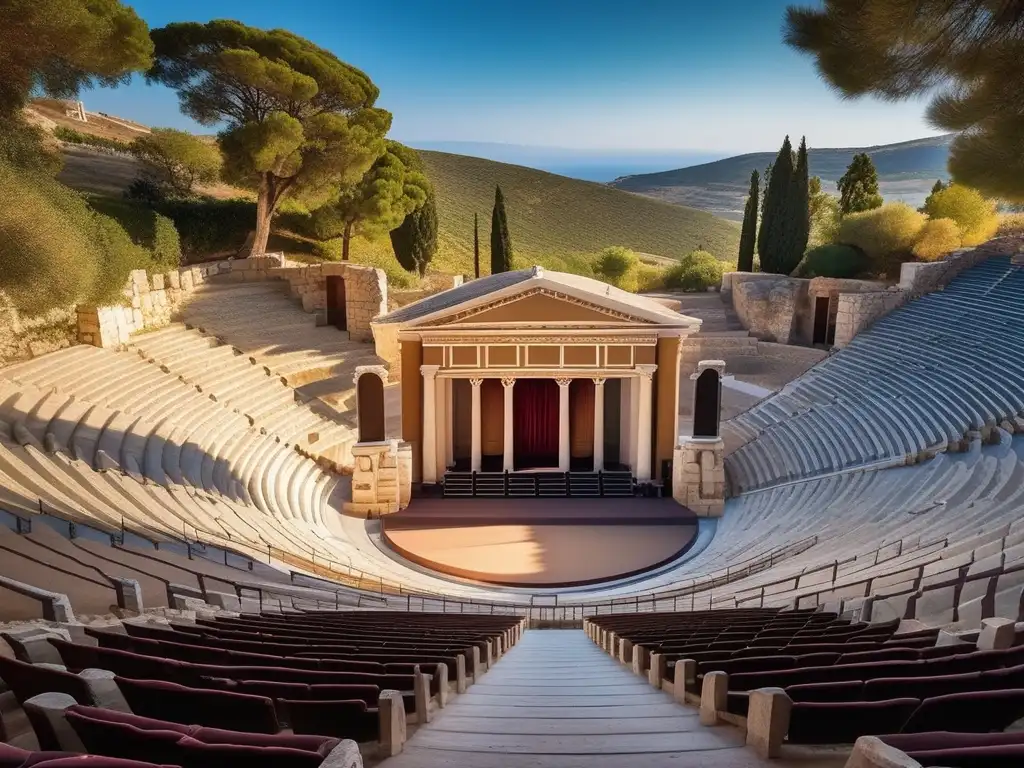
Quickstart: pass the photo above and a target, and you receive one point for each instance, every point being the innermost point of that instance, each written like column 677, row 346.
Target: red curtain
column 535, row 403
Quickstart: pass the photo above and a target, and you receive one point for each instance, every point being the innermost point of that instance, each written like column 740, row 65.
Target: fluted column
column 429, row 424
column 598, row 425
column 563, row 424
column 442, row 419
column 449, row 427
column 509, row 448
column 642, row 467
column 475, row 433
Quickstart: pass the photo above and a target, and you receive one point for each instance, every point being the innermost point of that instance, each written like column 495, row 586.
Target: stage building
column 533, row 372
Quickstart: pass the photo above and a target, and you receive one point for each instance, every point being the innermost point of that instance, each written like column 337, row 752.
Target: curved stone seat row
column 176, row 437
column 916, row 382
column 232, row 379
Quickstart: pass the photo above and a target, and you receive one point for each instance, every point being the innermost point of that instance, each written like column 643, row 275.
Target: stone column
column 634, row 411
column 642, row 467
column 429, row 424
column 598, row 425
column 442, row 420
column 563, row 424
column 449, row 427
column 476, row 449
column 509, row 450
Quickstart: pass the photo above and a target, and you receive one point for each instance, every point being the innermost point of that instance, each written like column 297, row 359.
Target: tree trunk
column 264, row 212
column 346, row 239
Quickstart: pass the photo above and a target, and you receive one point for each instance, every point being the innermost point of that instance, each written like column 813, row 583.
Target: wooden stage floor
column 541, row 542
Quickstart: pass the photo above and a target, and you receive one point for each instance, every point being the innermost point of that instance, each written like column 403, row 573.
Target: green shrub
column 47, row 257
column 615, row 262
column 146, row 228
column 23, row 146
column 975, row 215
column 937, row 238
column 55, row 250
column 71, row 136
column 209, row 228
column 832, row 261
column 697, row 271
column 884, row 233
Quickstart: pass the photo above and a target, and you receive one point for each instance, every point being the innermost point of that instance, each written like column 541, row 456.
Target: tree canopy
column 415, row 239
column 748, row 234
column 858, row 187
column 178, row 159
column 501, row 241
column 392, row 188
column 61, row 46
column 775, row 236
column 299, row 121
column 974, row 215
column 968, row 53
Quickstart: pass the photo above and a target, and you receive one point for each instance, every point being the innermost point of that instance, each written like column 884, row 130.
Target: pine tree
column 858, row 188
column 501, row 243
column 415, row 239
column 476, row 246
column 798, row 214
column 937, row 187
column 748, row 235
column 772, row 239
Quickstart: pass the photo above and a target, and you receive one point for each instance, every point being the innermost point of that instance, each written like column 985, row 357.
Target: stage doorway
column 535, row 424
column 337, row 304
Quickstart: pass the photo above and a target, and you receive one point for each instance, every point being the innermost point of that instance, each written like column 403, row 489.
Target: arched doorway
column 707, row 404
column 370, row 407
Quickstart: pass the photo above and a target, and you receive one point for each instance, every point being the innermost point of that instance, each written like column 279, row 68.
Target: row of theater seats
column 939, row 541
column 261, row 321
column 812, row 678
column 300, row 685
column 911, row 383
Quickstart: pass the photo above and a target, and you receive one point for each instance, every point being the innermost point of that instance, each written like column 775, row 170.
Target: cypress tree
column 748, row 235
column 772, row 239
column 858, row 187
column 501, row 243
column 798, row 213
column 476, row 246
column 414, row 241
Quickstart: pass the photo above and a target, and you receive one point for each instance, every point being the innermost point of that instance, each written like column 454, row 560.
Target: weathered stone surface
column 767, row 721
column 713, row 697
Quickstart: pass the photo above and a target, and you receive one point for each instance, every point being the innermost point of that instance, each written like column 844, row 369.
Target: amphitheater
column 188, row 576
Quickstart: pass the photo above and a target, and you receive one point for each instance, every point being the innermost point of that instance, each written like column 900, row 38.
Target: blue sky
column 643, row 75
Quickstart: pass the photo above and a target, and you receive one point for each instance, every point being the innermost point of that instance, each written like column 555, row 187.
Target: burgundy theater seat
column 12, row 757
column 28, row 680
column 340, row 719
column 884, row 688
column 96, row 761
column 216, row 709
column 845, row 722
column 849, row 690
column 976, row 712
column 198, row 754
column 933, row 740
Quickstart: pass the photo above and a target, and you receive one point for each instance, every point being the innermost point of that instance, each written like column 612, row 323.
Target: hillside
column 906, row 171
column 557, row 221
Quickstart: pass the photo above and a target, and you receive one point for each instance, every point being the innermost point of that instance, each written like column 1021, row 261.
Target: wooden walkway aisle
column 557, row 700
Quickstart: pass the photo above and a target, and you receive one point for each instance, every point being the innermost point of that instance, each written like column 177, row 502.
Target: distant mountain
column 906, row 171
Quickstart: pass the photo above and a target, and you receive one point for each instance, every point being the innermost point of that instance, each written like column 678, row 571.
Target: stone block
column 129, row 594
column 658, row 668
column 345, row 755
column 767, row 721
column 872, row 752
column 32, row 645
column 625, row 651
column 104, row 690
column 996, row 634
column 46, row 712
column 391, row 714
column 713, row 697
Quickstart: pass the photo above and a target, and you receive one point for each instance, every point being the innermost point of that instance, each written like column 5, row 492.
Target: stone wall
column 366, row 291
column 22, row 338
column 698, row 475
column 151, row 302
column 381, row 478
column 781, row 309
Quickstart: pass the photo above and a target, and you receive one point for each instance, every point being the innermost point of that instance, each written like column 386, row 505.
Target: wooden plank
column 598, row 726
column 667, row 708
column 565, row 744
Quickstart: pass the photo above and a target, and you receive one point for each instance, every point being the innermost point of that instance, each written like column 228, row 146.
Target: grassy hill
column 557, row 221
column 906, row 171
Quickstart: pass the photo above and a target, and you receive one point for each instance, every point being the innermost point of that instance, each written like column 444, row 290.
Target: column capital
column 429, row 370
column 563, row 382
column 508, row 381
column 646, row 370
column 599, row 381
column 476, row 383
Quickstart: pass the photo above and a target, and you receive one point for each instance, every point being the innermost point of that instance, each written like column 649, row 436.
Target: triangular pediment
column 539, row 306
